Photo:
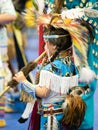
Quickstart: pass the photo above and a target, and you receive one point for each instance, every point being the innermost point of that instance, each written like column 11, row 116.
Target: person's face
column 50, row 49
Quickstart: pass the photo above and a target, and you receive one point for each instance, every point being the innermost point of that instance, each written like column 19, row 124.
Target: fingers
column 19, row 74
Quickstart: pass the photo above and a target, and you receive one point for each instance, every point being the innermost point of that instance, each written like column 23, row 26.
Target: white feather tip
column 87, row 75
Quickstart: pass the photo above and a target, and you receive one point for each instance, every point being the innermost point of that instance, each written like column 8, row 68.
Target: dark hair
column 62, row 43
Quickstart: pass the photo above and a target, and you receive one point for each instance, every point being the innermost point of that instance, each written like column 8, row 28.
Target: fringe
column 51, row 81
column 25, row 97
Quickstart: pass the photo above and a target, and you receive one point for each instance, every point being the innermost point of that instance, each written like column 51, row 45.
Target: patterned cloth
column 62, row 70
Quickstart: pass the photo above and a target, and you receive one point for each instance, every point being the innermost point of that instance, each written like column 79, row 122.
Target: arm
column 6, row 18
column 40, row 91
column 7, row 12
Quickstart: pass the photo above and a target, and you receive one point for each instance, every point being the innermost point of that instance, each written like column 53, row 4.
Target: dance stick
column 25, row 70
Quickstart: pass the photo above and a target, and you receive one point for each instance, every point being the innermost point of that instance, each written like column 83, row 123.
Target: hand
column 19, row 77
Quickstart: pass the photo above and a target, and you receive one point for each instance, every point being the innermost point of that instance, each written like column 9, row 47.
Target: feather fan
column 79, row 30
column 74, row 109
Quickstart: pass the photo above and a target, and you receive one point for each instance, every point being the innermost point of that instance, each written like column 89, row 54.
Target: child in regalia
column 59, row 108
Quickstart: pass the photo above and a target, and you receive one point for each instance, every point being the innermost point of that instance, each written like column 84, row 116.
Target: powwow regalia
column 89, row 10
column 75, row 29
column 84, row 9
column 77, row 32
column 58, row 21
column 62, row 108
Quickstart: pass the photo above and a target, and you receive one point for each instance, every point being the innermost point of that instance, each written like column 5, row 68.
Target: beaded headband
column 54, row 36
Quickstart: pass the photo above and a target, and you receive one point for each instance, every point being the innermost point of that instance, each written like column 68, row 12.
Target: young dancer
column 59, row 74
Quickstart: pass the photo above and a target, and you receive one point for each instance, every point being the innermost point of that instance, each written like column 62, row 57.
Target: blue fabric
column 25, row 86
column 88, row 121
column 62, row 70
column 44, row 119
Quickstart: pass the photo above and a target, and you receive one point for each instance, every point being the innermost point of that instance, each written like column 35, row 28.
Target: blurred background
column 31, row 52
column 23, row 47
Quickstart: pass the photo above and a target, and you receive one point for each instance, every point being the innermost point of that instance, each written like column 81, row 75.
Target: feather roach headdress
column 31, row 14
column 81, row 34
column 77, row 28
column 80, row 31
column 39, row 8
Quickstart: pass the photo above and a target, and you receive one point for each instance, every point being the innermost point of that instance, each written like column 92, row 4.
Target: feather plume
column 78, row 33
column 81, row 34
column 39, row 6
column 74, row 107
column 58, row 6
column 31, row 14
column 92, row 11
column 30, row 17
column 74, row 110
column 89, row 75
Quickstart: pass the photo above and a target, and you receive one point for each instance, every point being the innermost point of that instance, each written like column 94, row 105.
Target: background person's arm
column 7, row 12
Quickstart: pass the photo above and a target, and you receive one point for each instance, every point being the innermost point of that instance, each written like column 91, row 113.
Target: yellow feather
column 76, row 44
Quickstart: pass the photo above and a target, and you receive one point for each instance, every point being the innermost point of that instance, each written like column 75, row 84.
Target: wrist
column 27, row 87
